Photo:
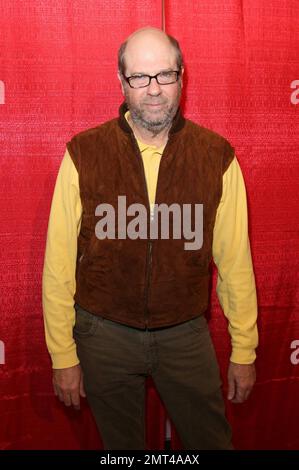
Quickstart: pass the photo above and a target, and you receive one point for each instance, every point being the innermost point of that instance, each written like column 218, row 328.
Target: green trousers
column 117, row 359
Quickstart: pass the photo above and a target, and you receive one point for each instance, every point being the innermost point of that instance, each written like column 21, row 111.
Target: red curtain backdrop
column 57, row 77
column 241, row 59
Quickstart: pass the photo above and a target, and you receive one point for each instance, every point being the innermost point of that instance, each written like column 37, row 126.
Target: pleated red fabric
column 57, row 77
column 243, row 82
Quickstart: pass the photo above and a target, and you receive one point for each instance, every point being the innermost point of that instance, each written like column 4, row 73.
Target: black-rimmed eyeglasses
column 163, row 78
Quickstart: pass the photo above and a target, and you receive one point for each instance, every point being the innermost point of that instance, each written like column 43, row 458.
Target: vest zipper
column 149, row 243
column 148, row 280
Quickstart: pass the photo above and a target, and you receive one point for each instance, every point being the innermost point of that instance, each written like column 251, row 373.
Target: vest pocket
column 88, row 250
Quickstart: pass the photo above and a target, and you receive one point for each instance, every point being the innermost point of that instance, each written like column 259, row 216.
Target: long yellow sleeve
column 231, row 252
column 59, row 267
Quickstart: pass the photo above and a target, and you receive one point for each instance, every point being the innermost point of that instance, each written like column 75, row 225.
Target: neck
column 148, row 137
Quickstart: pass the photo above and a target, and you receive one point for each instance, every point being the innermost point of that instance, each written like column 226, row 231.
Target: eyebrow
column 169, row 69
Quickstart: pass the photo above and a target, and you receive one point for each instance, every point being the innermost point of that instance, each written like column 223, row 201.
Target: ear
column 121, row 82
column 181, row 77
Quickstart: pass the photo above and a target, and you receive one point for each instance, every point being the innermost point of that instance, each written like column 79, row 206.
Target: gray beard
column 153, row 126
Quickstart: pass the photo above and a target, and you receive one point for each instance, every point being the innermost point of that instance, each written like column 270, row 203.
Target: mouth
column 154, row 105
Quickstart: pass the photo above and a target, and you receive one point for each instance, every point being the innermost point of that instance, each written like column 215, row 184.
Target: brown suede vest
column 146, row 283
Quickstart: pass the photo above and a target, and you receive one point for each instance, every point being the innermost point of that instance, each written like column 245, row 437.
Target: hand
column 68, row 385
column 241, row 378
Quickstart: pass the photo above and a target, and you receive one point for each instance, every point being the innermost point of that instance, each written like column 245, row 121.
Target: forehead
column 149, row 55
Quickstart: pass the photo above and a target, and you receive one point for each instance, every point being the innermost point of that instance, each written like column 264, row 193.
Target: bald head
column 147, row 31
column 148, row 45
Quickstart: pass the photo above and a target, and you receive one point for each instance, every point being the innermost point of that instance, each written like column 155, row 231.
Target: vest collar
column 177, row 123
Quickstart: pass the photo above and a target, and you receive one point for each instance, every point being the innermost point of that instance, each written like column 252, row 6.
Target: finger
column 67, row 398
column 231, row 389
column 82, row 391
column 55, row 388
column 247, row 393
column 241, row 395
column 75, row 399
column 238, row 399
column 59, row 393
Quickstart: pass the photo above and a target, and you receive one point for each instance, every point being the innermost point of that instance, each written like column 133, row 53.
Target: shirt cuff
column 64, row 360
column 243, row 356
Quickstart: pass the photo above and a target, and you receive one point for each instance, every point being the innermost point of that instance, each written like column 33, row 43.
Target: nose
column 154, row 88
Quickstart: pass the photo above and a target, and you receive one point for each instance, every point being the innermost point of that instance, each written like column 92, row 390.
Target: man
column 140, row 301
